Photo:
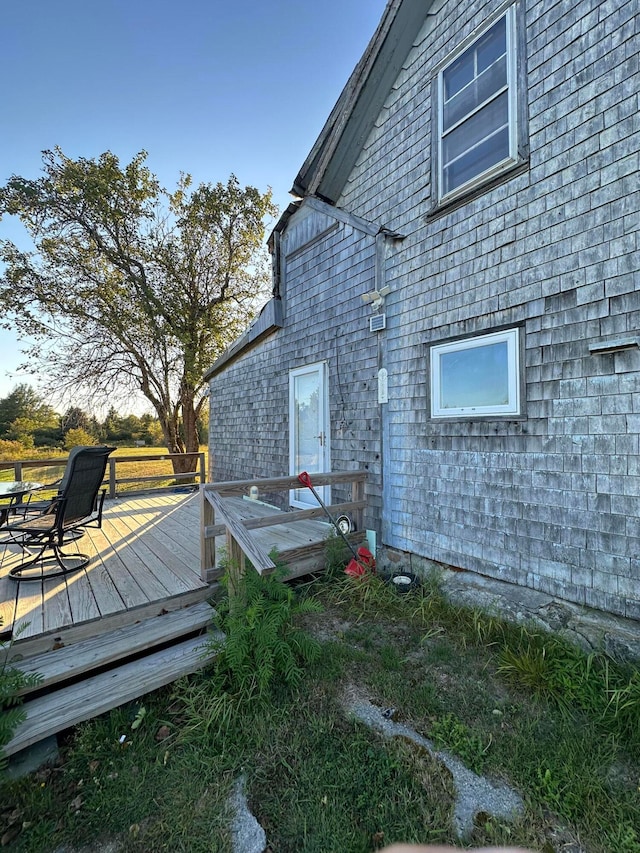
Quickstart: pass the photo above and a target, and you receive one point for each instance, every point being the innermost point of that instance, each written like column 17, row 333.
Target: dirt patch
column 327, row 626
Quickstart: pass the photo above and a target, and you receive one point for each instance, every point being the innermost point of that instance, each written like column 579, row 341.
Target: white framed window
column 478, row 110
column 476, row 376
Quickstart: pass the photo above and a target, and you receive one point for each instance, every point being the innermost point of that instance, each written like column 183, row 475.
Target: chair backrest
column 72, row 455
column 83, row 478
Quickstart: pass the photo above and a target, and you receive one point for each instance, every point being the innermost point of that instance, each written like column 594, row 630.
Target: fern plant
column 263, row 644
column 12, row 681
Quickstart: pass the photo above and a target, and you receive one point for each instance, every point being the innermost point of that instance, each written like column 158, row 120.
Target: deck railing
column 47, row 470
column 191, row 478
column 240, row 544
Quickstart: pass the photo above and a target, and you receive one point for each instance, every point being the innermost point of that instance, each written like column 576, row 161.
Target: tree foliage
column 75, row 418
column 78, row 436
column 24, row 405
column 131, row 287
column 28, row 422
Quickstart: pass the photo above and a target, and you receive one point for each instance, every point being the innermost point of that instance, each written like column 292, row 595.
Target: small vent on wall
column 377, row 323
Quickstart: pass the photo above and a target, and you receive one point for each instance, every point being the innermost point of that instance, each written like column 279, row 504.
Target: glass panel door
column 308, row 430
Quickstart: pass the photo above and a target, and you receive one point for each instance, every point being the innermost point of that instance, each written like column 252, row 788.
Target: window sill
column 469, row 419
column 448, row 206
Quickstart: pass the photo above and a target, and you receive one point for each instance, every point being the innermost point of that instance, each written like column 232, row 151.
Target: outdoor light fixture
column 376, row 297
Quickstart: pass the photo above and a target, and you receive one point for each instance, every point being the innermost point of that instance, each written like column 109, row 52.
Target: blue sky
column 206, row 87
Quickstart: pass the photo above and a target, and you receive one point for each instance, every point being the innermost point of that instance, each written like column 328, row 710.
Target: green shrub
column 262, row 643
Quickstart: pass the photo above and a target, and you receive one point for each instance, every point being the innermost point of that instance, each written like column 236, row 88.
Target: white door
column 309, row 430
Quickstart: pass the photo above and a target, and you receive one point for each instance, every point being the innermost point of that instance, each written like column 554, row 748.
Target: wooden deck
column 145, row 559
column 134, row 619
column 146, row 554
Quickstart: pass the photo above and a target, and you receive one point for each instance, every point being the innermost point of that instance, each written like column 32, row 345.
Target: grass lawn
column 512, row 704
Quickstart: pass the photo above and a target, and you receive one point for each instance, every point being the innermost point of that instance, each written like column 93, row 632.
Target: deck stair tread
column 24, row 647
column 79, row 701
column 70, row 661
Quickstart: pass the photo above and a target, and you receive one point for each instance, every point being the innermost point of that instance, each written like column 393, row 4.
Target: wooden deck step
column 23, row 648
column 97, row 652
column 77, row 702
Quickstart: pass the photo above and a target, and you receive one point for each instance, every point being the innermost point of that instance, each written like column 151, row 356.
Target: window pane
column 469, row 98
column 492, row 44
column 476, row 59
column 481, row 158
column 475, row 377
column 481, row 125
column 306, row 413
column 459, row 74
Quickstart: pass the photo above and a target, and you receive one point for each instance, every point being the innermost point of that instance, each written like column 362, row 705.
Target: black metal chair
column 37, row 505
column 78, row 505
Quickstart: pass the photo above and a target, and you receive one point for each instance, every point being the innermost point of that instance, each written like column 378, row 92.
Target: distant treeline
column 27, row 422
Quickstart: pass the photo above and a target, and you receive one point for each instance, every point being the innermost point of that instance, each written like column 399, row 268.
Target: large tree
column 23, row 405
column 131, row 287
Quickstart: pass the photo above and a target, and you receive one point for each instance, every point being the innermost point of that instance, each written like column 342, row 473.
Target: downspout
column 275, row 265
column 379, row 283
column 385, row 419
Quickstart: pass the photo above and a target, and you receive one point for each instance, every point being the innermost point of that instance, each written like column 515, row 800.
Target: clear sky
column 205, row 86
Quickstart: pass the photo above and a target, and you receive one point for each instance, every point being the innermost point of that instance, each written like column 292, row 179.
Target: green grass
column 320, row 781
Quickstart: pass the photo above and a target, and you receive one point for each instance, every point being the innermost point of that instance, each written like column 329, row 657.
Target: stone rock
column 248, row 835
column 475, row 794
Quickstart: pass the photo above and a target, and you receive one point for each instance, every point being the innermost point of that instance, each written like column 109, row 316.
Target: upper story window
column 478, row 110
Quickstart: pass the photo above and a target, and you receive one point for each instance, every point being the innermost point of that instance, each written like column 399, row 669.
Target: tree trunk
column 173, row 440
column 188, row 438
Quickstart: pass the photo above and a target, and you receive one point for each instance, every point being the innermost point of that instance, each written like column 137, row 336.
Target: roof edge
column 268, row 320
column 331, row 132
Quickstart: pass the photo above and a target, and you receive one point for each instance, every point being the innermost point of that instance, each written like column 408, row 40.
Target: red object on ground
column 355, row 569
column 364, row 565
column 367, row 557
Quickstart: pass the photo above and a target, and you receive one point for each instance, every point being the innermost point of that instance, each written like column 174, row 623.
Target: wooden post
column 203, row 475
column 112, row 478
column 207, row 543
column 17, row 471
column 235, row 573
column 357, row 494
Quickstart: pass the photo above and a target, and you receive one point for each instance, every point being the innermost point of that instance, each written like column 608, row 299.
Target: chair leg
column 65, row 568
column 27, row 571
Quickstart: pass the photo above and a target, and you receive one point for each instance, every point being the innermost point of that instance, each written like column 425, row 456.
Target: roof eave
column 334, row 154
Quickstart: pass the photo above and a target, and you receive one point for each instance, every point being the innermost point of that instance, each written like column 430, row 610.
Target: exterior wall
column 327, row 266
column 551, row 501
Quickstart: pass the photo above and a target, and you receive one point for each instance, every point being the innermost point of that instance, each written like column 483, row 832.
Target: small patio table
column 11, row 493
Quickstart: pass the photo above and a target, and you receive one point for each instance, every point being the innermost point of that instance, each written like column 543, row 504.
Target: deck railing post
column 203, row 476
column 235, row 575
column 112, row 478
column 207, row 543
column 357, row 494
column 17, row 470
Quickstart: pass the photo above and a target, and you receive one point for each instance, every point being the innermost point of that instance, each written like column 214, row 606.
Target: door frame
column 325, row 431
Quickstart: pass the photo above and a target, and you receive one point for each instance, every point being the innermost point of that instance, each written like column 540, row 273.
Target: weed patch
column 452, row 734
column 12, row 681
